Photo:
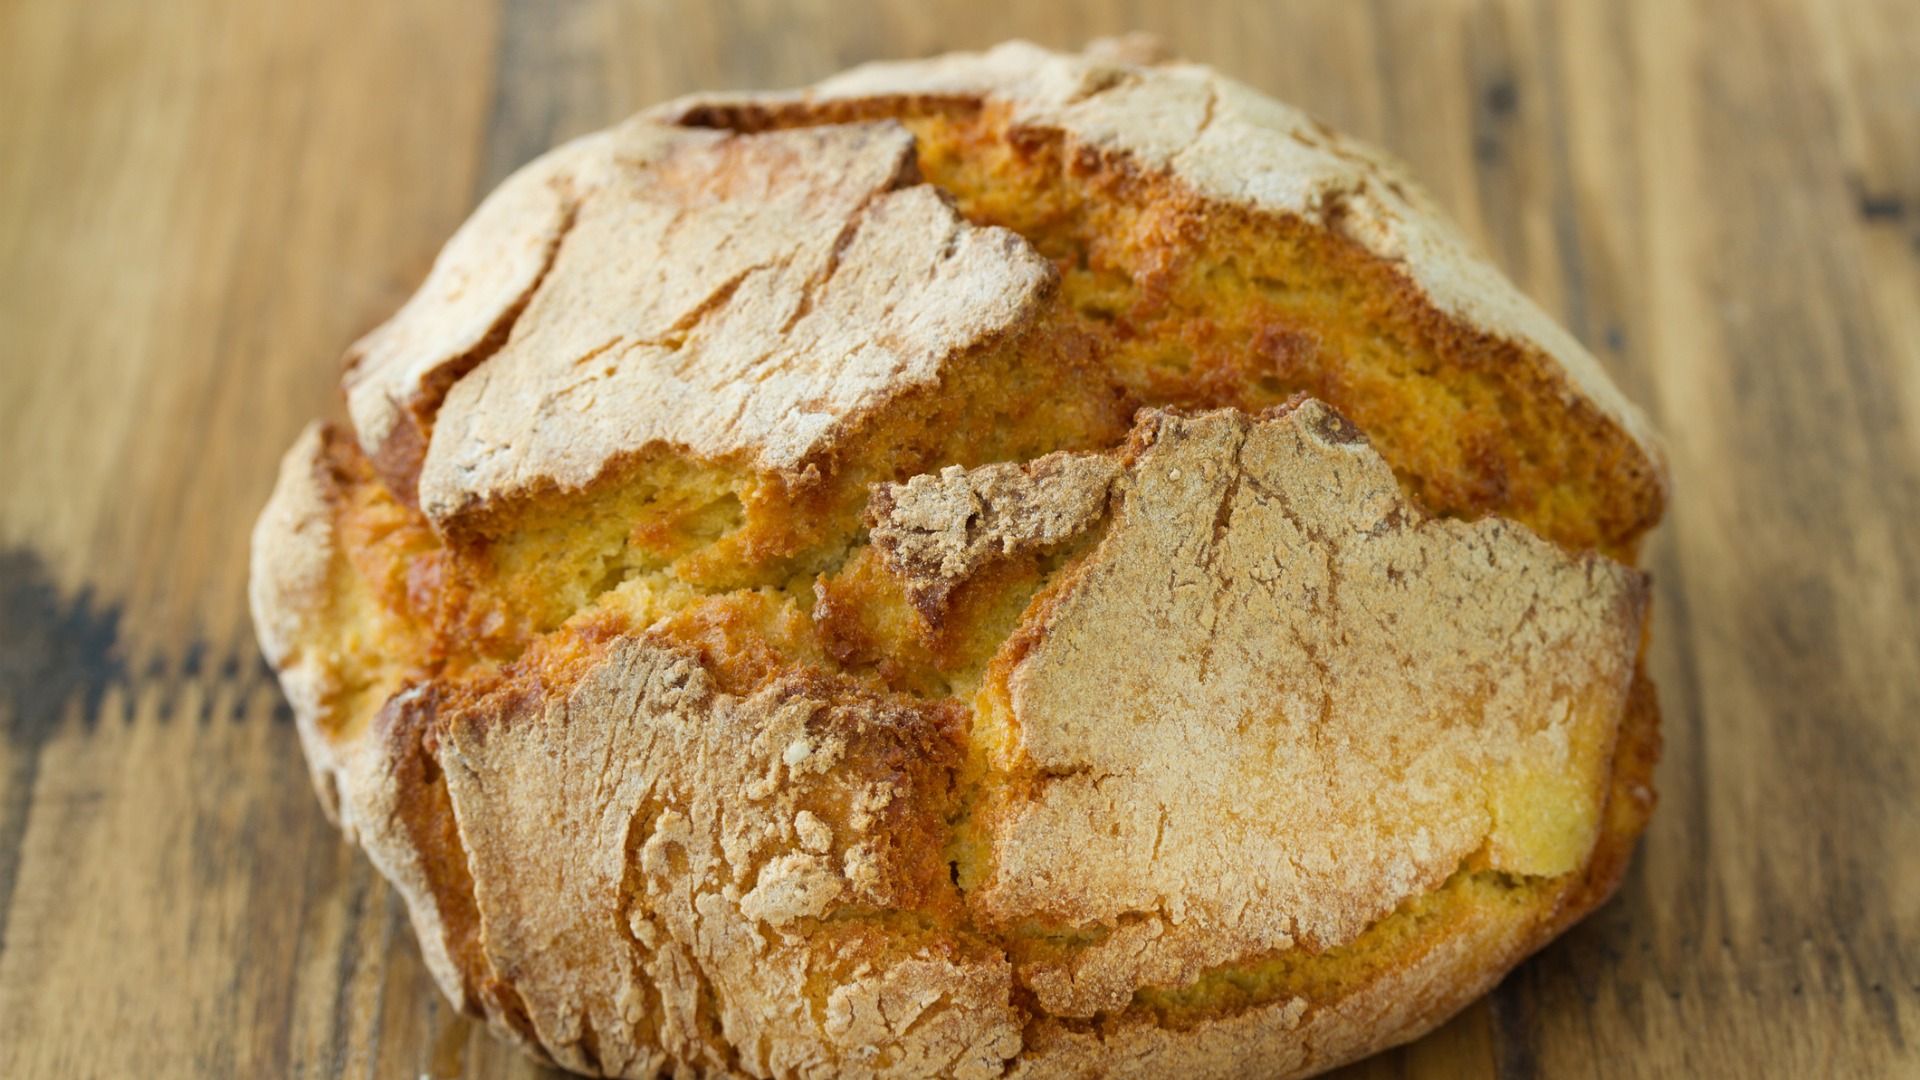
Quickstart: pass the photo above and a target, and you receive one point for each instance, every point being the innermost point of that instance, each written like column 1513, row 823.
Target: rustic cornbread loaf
column 1014, row 563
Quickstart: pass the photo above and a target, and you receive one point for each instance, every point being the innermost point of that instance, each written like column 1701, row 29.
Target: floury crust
column 1274, row 767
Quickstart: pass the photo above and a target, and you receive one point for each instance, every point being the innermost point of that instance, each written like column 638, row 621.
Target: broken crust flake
column 653, row 860
column 1417, row 990
column 729, row 295
column 935, row 531
column 1276, row 701
column 1232, row 145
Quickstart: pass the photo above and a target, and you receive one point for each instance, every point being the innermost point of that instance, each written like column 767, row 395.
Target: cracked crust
column 625, row 867
column 1230, row 144
column 935, row 532
column 1244, row 743
column 727, row 296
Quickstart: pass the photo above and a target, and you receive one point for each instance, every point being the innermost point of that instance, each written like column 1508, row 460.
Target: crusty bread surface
column 1016, row 563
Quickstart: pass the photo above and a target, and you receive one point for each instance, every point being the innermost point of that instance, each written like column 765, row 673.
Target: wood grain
column 203, row 201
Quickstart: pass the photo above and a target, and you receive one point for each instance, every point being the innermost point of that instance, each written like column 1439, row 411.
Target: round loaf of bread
column 1011, row 564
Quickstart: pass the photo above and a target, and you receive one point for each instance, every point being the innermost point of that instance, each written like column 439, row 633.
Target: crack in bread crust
column 755, row 640
column 728, row 298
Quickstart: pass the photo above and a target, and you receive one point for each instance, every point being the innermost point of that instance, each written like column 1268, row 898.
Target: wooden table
column 203, row 201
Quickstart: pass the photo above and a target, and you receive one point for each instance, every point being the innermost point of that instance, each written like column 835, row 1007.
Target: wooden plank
column 202, row 202
column 1760, row 934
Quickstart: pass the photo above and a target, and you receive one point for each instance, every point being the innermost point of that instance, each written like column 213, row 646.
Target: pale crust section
column 1275, row 702
column 294, row 560
column 292, row 554
column 933, row 532
column 1234, row 145
column 652, row 859
column 738, row 295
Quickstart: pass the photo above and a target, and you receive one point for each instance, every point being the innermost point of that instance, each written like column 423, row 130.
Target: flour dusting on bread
column 1016, row 563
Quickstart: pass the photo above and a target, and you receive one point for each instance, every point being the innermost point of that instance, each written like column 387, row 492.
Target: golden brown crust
column 1151, row 186
column 1256, row 741
column 1233, row 146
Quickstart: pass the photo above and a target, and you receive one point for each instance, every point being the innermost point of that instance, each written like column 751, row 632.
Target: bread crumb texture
column 1017, row 563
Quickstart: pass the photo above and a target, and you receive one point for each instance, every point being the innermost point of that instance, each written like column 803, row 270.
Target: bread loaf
column 1010, row 564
